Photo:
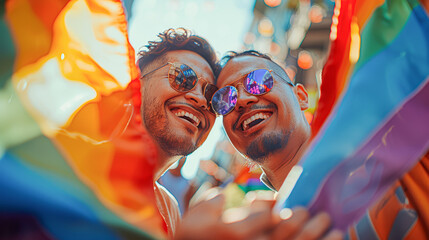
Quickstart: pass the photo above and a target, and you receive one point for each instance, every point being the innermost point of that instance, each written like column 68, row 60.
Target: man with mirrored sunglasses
column 263, row 116
column 176, row 73
column 252, row 120
column 263, row 113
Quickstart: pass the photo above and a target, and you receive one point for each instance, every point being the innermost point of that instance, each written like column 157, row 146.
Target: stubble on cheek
column 156, row 123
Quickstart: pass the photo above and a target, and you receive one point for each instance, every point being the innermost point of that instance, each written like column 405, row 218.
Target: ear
column 302, row 96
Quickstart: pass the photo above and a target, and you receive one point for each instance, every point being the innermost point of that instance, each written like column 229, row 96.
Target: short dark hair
column 232, row 54
column 176, row 39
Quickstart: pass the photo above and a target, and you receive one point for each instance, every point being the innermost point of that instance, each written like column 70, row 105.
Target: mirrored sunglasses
column 257, row 83
column 183, row 78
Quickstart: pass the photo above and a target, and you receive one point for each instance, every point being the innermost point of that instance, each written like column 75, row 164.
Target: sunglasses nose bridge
column 241, row 89
column 244, row 98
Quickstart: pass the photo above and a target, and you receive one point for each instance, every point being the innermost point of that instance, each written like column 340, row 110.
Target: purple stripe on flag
column 363, row 177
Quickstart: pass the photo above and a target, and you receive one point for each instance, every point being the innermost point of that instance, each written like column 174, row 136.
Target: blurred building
column 295, row 33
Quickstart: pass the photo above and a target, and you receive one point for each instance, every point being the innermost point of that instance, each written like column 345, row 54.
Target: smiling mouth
column 188, row 117
column 254, row 120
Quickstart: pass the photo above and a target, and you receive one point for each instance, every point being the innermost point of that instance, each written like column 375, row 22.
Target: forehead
column 193, row 60
column 238, row 67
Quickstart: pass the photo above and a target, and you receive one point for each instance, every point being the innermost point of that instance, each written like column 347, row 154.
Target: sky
column 222, row 22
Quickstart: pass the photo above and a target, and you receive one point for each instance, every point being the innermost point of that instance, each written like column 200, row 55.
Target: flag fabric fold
column 75, row 162
column 372, row 121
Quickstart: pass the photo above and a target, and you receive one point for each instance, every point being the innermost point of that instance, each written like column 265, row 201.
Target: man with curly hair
column 176, row 77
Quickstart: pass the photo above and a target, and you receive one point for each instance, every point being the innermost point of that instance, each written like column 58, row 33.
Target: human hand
column 206, row 220
column 302, row 226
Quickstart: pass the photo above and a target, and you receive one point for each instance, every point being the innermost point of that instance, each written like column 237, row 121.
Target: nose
column 244, row 98
column 196, row 96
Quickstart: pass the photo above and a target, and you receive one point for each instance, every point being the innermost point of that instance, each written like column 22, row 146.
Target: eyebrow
column 288, row 81
column 153, row 70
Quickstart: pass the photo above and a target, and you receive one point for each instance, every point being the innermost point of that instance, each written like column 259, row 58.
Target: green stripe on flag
column 382, row 28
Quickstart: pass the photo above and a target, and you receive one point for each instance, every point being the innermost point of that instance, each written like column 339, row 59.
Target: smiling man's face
column 266, row 124
column 178, row 121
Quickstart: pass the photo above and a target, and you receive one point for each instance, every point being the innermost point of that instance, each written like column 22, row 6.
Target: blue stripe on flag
column 58, row 211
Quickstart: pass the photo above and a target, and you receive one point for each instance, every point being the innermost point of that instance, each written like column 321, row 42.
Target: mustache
column 242, row 111
column 168, row 103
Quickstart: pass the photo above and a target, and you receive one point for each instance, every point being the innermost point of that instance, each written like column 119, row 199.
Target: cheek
column 227, row 124
column 238, row 143
column 211, row 119
column 161, row 93
column 283, row 101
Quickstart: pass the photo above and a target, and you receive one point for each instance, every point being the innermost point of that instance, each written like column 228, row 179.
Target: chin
column 178, row 148
column 265, row 145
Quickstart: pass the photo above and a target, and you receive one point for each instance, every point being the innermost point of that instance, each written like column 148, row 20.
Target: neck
column 165, row 160
column 276, row 174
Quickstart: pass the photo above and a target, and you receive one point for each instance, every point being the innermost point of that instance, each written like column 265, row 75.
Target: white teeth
column 253, row 118
column 189, row 115
column 197, row 121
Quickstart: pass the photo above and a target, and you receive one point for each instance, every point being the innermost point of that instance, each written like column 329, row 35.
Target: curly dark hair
column 176, row 39
column 232, row 54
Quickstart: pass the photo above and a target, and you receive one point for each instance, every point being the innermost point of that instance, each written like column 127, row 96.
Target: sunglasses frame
column 242, row 79
column 172, row 70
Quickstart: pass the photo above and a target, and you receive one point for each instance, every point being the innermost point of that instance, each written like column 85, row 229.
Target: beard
column 268, row 143
column 156, row 123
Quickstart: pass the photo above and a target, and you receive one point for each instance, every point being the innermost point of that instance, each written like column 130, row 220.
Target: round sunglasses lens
column 182, row 79
column 259, row 82
column 224, row 100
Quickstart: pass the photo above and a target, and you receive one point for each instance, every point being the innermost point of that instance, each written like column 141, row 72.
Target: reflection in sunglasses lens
column 259, row 82
column 224, row 100
column 183, row 79
column 190, row 78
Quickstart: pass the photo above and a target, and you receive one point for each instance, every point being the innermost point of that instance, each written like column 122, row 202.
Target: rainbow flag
column 75, row 162
column 373, row 115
